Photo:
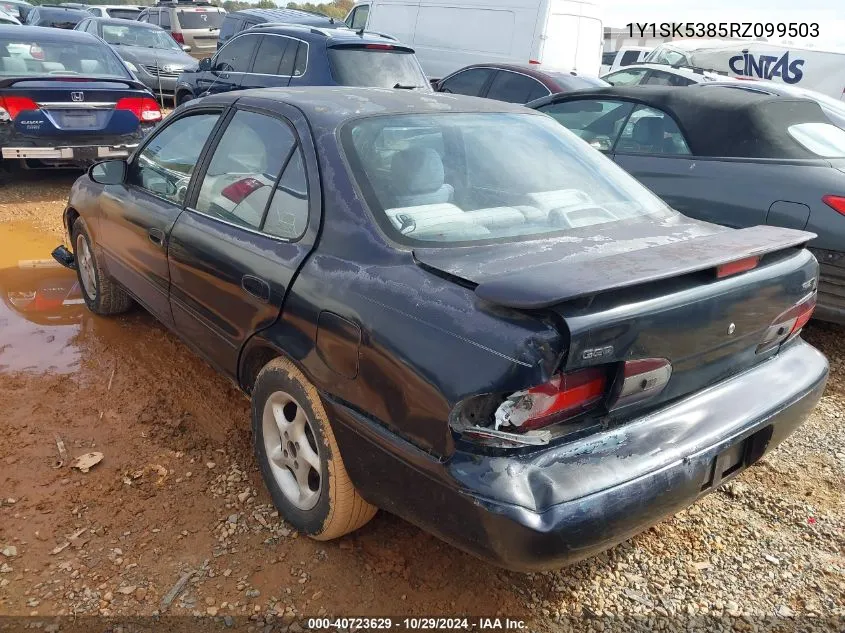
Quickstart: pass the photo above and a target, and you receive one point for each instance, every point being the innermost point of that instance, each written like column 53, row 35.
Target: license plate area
column 735, row 458
column 79, row 121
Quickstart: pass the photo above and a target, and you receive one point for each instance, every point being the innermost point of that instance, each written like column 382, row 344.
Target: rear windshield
column 376, row 68
column 36, row 57
column 61, row 18
column 454, row 178
column 124, row 14
column 200, row 19
column 140, row 35
column 822, row 139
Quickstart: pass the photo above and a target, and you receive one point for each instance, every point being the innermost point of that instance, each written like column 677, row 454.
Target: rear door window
column 231, row 25
column 660, row 78
column 236, row 55
column 468, row 82
column 376, row 67
column 822, row 139
column 152, row 17
column 165, row 20
column 651, row 131
column 272, row 58
column 200, row 19
column 515, row 88
column 629, row 57
column 256, row 160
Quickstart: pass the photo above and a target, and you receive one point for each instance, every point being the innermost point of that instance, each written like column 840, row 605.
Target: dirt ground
column 177, row 491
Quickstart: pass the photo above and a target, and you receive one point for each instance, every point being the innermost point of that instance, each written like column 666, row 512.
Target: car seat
column 418, row 177
column 649, row 134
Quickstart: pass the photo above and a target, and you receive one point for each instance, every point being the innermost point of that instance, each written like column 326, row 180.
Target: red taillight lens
column 380, row 47
column 837, row 203
column 239, row 190
column 14, row 105
column 145, row 108
column 739, row 266
column 788, row 324
column 178, row 37
column 533, row 61
column 563, row 396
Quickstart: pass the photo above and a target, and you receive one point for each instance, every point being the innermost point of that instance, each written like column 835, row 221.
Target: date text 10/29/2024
column 418, row 624
column 722, row 29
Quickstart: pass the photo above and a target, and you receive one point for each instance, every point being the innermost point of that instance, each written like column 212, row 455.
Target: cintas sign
column 768, row 67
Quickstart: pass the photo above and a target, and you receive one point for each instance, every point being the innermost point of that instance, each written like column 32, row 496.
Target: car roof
column 46, row 34
column 328, row 107
column 287, row 15
column 339, row 34
column 720, row 120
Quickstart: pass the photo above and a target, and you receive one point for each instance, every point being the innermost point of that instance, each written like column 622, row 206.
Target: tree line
column 333, row 9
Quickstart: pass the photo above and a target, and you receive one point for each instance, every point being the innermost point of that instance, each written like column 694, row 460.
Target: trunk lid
column 73, row 107
column 634, row 292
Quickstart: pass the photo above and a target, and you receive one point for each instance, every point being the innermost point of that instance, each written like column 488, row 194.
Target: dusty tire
column 183, row 98
column 100, row 292
column 333, row 507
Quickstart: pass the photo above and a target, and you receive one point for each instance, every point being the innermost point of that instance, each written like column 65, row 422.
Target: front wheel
column 183, row 98
column 101, row 293
column 299, row 457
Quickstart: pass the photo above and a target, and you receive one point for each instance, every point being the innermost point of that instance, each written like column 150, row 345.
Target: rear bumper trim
column 68, row 153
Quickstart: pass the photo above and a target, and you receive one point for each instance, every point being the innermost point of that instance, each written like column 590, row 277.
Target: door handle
column 156, row 236
column 256, row 287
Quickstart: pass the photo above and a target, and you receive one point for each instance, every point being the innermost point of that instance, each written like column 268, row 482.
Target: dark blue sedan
column 290, row 55
column 66, row 98
column 454, row 309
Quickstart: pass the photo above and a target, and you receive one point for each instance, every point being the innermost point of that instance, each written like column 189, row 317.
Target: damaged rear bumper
column 547, row 508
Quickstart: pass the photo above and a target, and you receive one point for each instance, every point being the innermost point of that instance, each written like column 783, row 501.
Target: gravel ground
column 178, row 496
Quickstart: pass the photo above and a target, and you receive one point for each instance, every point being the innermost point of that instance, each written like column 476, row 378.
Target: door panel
column 229, row 276
column 137, row 216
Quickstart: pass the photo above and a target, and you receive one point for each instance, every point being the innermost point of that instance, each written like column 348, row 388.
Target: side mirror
column 108, row 172
column 186, row 48
column 205, row 64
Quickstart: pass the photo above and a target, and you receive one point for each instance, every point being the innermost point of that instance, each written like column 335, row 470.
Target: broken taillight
column 788, row 324
column 564, row 396
column 642, row 379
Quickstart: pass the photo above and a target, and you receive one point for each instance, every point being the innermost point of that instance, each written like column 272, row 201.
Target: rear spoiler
column 556, row 282
column 5, row 82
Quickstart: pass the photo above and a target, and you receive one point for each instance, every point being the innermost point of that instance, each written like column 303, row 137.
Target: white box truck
column 811, row 68
column 557, row 34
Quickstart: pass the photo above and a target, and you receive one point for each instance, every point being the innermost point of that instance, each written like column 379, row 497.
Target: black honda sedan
column 455, row 310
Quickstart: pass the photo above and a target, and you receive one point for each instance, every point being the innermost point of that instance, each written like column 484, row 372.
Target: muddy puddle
column 41, row 307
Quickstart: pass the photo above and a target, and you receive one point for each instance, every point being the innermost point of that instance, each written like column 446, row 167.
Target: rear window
column 33, row 57
column 124, row 14
column 199, row 19
column 376, row 68
column 454, row 178
column 61, row 18
column 822, row 139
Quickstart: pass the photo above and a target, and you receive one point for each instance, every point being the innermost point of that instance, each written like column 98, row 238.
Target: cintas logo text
column 767, row 67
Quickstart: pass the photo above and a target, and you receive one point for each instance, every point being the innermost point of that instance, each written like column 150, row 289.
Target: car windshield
column 34, row 57
column 124, row 14
column 200, row 19
column 131, row 35
column 376, row 67
column 461, row 177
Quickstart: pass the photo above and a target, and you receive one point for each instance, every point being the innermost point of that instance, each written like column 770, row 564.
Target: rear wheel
column 299, row 457
column 101, row 293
